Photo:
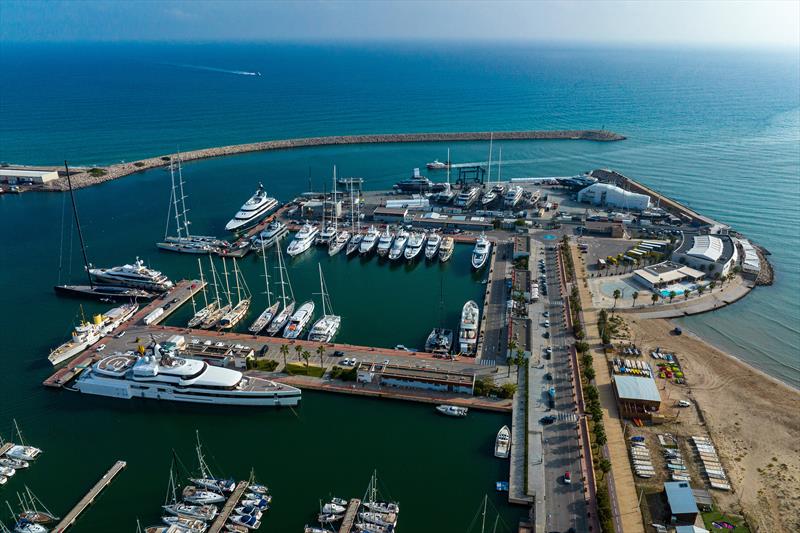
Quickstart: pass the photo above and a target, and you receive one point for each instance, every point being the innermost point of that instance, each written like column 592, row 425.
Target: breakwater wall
column 89, row 177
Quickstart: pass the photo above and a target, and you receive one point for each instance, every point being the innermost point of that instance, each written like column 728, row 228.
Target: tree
column 284, row 352
column 605, row 466
column 700, row 290
column 617, row 294
column 672, row 295
column 306, row 355
column 686, row 294
column 592, row 393
column 655, row 298
column 712, row 285
column 582, row 346
column 634, row 296
column 589, row 373
column 299, row 350
column 321, row 354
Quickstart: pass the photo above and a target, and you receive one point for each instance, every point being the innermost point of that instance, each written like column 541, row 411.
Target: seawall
column 84, row 178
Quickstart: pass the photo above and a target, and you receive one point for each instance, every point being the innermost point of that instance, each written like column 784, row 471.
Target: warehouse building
column 613, row 196
column 390, row 215
column 38, row 177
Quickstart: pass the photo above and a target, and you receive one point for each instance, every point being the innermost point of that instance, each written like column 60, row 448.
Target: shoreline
column 84, row 177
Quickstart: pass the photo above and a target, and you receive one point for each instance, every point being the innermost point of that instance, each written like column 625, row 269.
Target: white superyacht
column 137, row 276
column 161, row 375
column 385, row 242
column 303, row 240
column 399, row 245
column 274, row 231
column 252, row 211
column 299, row 321
column 432, row 248
column 481, row 252
column 468, row 334
column 369, row 241
column 416, row 242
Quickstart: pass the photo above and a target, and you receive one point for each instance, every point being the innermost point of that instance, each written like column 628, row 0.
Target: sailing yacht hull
column 100, row 292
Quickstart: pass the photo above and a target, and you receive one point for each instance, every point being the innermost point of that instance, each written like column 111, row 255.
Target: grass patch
column 138, row 164
column 716, row 516
column 344, row 374
column 268, row 365
column 97, row 172
column 295, row 369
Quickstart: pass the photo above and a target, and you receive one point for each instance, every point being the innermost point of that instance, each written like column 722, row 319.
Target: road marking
column 488, row 362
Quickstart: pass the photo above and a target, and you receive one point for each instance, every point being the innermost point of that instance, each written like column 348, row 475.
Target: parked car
column 567, row 477
column 549, row 419
column 120, row 334
column 338, row 353
column 684, row 403
column 101, row 348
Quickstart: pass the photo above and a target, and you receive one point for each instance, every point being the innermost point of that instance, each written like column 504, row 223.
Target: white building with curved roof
column 706, row 247
column 613, row 196
column 707, row 253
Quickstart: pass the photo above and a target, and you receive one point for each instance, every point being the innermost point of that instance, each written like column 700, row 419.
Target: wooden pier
column 5, row 447
column 87, row 500
column 227, row 509
column 350, row 516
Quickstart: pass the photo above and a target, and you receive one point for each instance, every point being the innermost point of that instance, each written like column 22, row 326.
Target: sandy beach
column 754, row 420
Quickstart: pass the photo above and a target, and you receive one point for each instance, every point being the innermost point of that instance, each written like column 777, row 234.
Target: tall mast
column 183, row 197
column 227, row 283
column 448, row 166
column 352, row 209
column 266, row 275
column 214, row 277
column 236, row 279
column 19, row 433
column 322, row 289
column 78, row 224
column 499, row 164
column 333, row 203
column 202, row 281
column 175, row 198
column 483, row 520
column 489, row 176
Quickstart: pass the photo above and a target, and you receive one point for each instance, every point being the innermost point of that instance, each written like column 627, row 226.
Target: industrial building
column 637, row 396
column 610, row 228
column 390, row 215
column 666, row 273
column 462, row 222
column 416, row 378
column 612, row 196
column 680, row 500
column 14, row 176
column 709, row 253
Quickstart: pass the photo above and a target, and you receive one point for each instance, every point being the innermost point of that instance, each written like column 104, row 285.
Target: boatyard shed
column 613, row 196
column 611, row 228
column 10, row 175
column 666, row 273
column 637, row 396
column 416, row 378
column 390, row 215
column 680, row 499
column 461, row 222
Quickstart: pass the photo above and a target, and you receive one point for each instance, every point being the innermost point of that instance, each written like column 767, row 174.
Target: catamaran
column 432, row 248
column 237, row 312
column 303, row 240
column 282, row 318
column 399, row 245
column 369, row 241
column 502, row 443
column 252, row 211
column 468, row 335
column 446, row 249
column 481, row 252
column 416, row 242
column 268, row 314
column 299, row 321
column 385, row 242
column 325, row 329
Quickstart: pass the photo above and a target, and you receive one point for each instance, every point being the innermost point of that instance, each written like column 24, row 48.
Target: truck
column 551, row 397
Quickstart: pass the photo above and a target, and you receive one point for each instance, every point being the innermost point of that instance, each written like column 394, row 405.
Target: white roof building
column 611, row 195
column 33, row 176
column 706, row 247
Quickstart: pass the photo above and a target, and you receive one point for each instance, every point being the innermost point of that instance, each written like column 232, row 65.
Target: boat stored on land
column 252, row 211
column 467, row 197
column 513, row 196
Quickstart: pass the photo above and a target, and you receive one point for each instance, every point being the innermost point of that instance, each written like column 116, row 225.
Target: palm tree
column 712, row 285
column 634, row 296
column 284, row 352
column 617, row 294
column 512, row 345
column 654, row 297
column 686, row 294
column 306, row 355
column 672, row 295
column 321, row 354
column 701, row 290
column 299, row 350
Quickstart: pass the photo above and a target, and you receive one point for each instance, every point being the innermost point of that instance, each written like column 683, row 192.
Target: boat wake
column 215, row 69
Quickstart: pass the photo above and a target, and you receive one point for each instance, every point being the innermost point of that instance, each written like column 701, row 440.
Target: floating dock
column 5, row 447
column 87, row 500
column 350, row 516
column 227, row 509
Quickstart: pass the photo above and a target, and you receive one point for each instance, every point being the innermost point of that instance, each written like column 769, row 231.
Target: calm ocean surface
column 718, row 130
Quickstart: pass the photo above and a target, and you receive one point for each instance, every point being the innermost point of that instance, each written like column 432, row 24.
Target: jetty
column 227, row 509
column 5, row 447
column 350, row 516
column 89, row 498
column 93, row 176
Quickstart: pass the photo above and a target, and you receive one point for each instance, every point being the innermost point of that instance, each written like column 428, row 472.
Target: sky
column 729, row 23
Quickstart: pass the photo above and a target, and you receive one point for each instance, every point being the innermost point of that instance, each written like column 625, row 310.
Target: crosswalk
column 567, row 416
column 488, row 362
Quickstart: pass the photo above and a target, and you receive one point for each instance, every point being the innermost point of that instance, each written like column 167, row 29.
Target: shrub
column 138, row 164
column 97, row 172
column 344, row 374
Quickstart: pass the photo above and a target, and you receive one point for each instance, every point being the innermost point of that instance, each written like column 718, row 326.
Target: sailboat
column 288, row 301
column 23, row 525
column 184, row 241
column 341, row 236
column 213, row 316
column 496, row 191
column 206, row 479
column 33, row 509
column 22, row 451
column 232, row 317
column 381, row 515
column 93, row 290
column 268, row 314
column 328, row 231
column 325, row 329
column 201, row 314
column 174, row 506
column 354, row 243
column 440, row 339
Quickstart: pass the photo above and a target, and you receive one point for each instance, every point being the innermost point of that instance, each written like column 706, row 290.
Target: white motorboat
column 367, row 527
column 385, row 242
column 381, row 519
column 338, row 242
column 326, row 518
column 432, row 248
column 399, row 245
column 446, row 249
column 190, row 525
column 438, row 165
column 250, row 522
column 502, row 443
column 164, row 529
column 497, row 190
column 270, row 235
column 467, row 197
column 468, row 334
column 481, row 252
column 382, row 507
column 299, row 321
column 281, row 319
column 439, row 341
column 303, row 240
column 252, row 211
column 26, row 526
column 198, row 512
column 325, row 329
column 249, row 510
column 333, row 508
column 416, row 242
column 161, row 375
column 84, row 335
column 196, row 495
column 16, row 464
column 452, row 410
column 7, row 471
column 136, row 276
column 324, row 237
column 369, row 241
column 512, row 196
column 354, row 244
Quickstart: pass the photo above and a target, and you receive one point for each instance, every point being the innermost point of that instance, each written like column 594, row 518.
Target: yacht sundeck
column 432, row 248
column 385, row 242
column 274, row 231
column 369, row 241
column 257, row 207
column 446, row 249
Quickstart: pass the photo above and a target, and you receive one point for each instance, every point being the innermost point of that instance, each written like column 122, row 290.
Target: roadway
column 494, row 312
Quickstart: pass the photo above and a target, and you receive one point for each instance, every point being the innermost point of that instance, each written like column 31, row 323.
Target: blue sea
column 718, row 129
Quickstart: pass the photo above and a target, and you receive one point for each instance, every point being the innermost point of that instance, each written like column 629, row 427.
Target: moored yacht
column 432, row 248
column 415, row 184
column 84, row 335
column 281, row 319
column 252, row 211
column 189, row 525
column 354, row 244
column 369, row 241
column 161, row 375
column 481, row 252
column 325, row 329
column 468, row 196
column 399, row 245
column 196, row 495
column 299, row 321
column 385, row 242
column 303, row 240
column 502, row 443
column 452, row 410
column 439, row 341
column 198, row 512
column 468, row 334
column 270, row 235
column 324, row 237
column 446, row 249
column 136, row 276
column 438, row 165
column 338, row 242
column 512, row 196
column 416, row 242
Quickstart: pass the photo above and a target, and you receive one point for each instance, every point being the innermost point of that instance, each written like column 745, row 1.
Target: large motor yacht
column 385, row 242
column 303, row 240
column 416, row 242
column 468, row 335
column 399, row 245
column 299, row 321
column 513, row 196
column 446, row 249
column 161, row 375
column 338, row 242
column 369, row 241
column 274, row 231
column 137, row 276
column 467, row 197
column 415, row 184
column 432, row 248
column 481, row 252
column 257, row 207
